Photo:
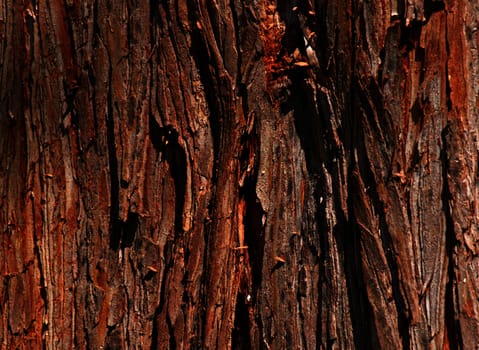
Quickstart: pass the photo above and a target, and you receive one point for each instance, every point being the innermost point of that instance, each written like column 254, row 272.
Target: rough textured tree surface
column 290, row 174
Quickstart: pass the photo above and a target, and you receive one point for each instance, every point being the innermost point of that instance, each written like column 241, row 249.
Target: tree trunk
column 241, row 174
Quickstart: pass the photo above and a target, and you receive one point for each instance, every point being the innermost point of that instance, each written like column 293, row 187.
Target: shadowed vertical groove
column 115, row 222
column 254, row 236
column 129, row 229
column 241, row 330
column 255, row 243
column 245, row 326
column 176, row 158
column 201, row 56
column 165, row 142
column 210, row 77
column 365, row 334
column 364, row 165
column 453, row 337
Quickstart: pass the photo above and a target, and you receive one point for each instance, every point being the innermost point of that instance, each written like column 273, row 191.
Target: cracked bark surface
column 239, row 174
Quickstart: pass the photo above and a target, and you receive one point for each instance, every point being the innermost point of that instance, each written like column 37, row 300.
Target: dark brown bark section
column 238, row 174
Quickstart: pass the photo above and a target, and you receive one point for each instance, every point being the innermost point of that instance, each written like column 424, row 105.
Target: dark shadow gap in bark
column 417, row 114
column 293, row 35
column 348, row 240
column 200, row 53
column 322, row 226
column 237, row 29
column 381, row 75
column 314, row 133
column 364, row 330
column 154, row 18
column 130, row 226
column 370, row 183
column 452, row 335
column 176, row 158
column 301, row 293
column 362, row 102
column 313, row 130
column 361, row 38
column 348, row 244
column 154, row 332
column 241, row 339
column 432, row 6
column 42, row 288
column 115, row 226
column 365, row 333
column 253, row 216
column 124, row 231
column 409, row 37
column 171, row 332
column 165, row 142
column 254, row 239
column 113, row 338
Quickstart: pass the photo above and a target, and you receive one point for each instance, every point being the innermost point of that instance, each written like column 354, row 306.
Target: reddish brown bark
column 238, row 174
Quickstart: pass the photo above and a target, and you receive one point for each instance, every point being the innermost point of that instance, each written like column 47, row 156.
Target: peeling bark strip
column 239, row 174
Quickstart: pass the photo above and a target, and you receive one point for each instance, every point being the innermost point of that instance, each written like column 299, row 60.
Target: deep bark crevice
column 254, row 235
column 154, row 332
column 253, row 212
column 452, row 335
column 432, row 6
column 367, row 119
column 293, row 36
column 113, row 338
column 241, row 330
column 165, row 142
column 386, row 240
column 115, row 222
column 409, row 37
column 43, row 288
column 239, row 62
column 172, row 343
column 202, row 57
column 130, row 227
column 364, row 330
column 313, row 126
column 176, row 158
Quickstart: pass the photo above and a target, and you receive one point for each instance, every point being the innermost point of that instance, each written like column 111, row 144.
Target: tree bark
column 241, row 174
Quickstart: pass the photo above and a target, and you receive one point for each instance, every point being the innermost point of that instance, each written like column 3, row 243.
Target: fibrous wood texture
column 289, row 174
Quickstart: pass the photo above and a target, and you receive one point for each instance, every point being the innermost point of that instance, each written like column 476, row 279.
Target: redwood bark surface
column 246, row 174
